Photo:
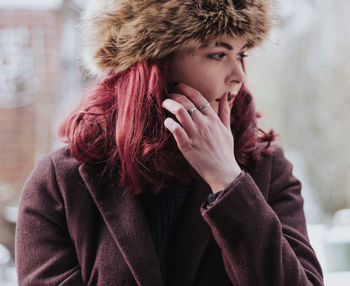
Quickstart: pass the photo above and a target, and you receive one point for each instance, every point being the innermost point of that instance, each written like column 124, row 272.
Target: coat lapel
column 124, row 217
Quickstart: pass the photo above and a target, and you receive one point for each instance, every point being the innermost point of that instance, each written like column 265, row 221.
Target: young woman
column 166, row 178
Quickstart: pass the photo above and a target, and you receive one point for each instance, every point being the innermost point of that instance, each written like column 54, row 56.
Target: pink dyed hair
column 120, row 125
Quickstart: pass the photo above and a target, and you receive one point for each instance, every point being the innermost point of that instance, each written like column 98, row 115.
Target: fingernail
column 229, row 96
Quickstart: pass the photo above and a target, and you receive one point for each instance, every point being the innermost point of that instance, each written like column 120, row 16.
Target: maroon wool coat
column 74, row 229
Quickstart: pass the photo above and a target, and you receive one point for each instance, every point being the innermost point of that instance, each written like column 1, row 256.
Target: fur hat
column 119, row 33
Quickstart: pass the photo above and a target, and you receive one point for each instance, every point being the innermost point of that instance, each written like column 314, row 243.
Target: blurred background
column 300, row 79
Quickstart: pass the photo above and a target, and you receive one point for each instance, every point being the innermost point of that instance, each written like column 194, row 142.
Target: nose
column 236, row 74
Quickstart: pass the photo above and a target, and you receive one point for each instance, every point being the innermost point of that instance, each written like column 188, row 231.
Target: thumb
column 225, row 110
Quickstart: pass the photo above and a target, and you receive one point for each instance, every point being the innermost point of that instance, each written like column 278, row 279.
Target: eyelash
column 241, row 56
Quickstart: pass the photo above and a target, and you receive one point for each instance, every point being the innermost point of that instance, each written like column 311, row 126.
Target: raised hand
column 204, row 137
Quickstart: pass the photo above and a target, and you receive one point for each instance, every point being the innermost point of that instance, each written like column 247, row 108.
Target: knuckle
column 185, row 146
column 212, row 116
column 176, row 129
column 177, row 109
column 180, row 98
column 180, row 111
column 196, row 93
column 205, row 131
column 183, row 99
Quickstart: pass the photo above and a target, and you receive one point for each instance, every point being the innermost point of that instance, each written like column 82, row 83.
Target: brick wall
column 29, row 69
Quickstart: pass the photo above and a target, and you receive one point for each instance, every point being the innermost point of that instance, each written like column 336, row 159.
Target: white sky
column 31, row 4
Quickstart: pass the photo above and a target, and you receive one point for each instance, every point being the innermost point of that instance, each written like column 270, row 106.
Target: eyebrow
column 227, row 46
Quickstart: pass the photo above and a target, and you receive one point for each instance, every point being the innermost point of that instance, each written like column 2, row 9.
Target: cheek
column 199, row 76
column 202, row 79
column 208, row 83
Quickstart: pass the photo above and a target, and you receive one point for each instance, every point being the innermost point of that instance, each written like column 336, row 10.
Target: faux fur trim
column 119, row 33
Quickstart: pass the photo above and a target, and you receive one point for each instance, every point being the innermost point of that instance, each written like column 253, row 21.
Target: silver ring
column 190, row 110
column 203, row 106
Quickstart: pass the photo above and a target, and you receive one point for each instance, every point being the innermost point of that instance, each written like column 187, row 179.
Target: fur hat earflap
column 117, row 34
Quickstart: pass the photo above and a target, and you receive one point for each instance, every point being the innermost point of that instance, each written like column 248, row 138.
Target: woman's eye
column 217, row 56
column 242, row 55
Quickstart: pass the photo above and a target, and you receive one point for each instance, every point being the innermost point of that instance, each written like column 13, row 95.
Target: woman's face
column 213, row 70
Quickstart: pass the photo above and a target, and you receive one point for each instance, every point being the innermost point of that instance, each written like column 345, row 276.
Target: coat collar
column 124, row 216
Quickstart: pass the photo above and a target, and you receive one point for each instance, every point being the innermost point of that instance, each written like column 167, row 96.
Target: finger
column 178, row 132
column 181, row 115
column 195, row 96
column 187, row 104
column 224, row 112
